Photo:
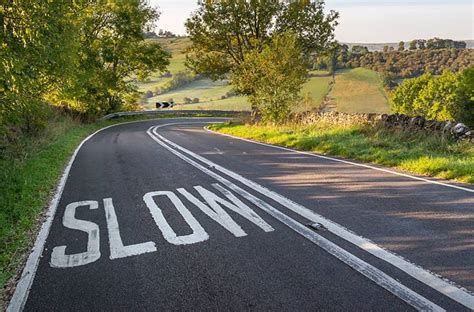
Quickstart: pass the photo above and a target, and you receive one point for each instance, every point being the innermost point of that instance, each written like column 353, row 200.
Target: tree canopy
column 449, row 96
column 273, row 77
column 223, row 32
column 80, row 55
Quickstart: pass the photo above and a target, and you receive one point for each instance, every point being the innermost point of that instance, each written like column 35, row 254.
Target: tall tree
column 273, row 77
column 112, row 50
column 37, row 45
column 401, row 46
column 223, row 32
column 421, row 44
column 413, row 44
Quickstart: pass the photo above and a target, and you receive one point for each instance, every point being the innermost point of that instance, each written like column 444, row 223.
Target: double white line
column 414, row 299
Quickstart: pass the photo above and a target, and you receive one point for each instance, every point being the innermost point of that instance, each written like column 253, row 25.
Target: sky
column 367, row 21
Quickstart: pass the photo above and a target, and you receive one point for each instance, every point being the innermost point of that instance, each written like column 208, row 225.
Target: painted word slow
column 211, row 204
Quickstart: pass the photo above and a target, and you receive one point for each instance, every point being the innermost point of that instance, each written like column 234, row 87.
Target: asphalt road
column 164, row 215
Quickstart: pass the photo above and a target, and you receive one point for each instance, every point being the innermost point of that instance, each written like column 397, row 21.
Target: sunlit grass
column 359, row 90
column 409, row 151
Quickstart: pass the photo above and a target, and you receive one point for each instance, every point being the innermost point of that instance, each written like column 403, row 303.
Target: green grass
column 209, row 94
column 359, row 90
column 26, row 183
column 316, row 88
column 29, row 173
column 413, row 152
column 176, row 46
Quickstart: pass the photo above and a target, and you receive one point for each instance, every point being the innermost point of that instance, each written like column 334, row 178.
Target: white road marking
column 218, row 214
column 371, row 272
column 442, row 285
column 23, row 286
column 59, row 259
column 347, row 162
column 117, row 249
column 198, row 235
column 218, row 151
column 243, row 209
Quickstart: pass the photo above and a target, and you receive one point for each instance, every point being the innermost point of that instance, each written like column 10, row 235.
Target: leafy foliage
column 273, row 78
column 35, row 54
column 111, row 49
column 447, row 97
column 79, row 55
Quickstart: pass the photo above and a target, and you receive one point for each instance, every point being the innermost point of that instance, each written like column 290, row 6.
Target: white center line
column 371, row 272
column 442, row 285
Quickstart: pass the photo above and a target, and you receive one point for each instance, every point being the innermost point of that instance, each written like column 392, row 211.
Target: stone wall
column 453, row 129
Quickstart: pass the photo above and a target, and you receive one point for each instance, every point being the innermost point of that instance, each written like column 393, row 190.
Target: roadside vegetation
column 419, row 153
column 449, row 96
column 78, row 57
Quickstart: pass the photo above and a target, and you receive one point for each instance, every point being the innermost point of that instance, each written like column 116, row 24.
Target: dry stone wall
column 458, row 131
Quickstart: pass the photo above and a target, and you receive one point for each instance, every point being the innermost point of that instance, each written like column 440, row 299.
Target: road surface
column 164, row 215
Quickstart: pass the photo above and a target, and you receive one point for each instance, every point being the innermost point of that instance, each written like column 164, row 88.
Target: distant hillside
column 379, row 46
column 178, row 45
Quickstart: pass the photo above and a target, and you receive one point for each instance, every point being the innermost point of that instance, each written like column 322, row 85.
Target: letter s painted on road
column 59, row 259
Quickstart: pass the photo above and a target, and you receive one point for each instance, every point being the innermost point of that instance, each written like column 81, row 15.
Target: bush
column 447, row 97
column 187, row 100
column 465, row 95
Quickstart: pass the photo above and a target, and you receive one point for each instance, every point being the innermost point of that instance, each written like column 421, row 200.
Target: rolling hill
column 357, row 90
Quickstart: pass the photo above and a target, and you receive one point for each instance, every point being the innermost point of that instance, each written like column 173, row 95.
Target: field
column 176, row 47
column 355, row 90
column 358, row 90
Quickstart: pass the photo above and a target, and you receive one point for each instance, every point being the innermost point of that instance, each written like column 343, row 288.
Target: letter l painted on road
column 117, row 249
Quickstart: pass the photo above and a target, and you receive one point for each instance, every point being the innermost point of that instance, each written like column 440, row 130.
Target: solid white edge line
column 444, row 286
column 24, row 283
column 377, row 276
column 344, row 161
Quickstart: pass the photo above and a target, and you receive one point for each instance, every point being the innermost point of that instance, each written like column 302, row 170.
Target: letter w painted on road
column 218, row 214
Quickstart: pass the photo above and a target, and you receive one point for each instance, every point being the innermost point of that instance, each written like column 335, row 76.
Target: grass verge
column 418, row 153
column 29, row 174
